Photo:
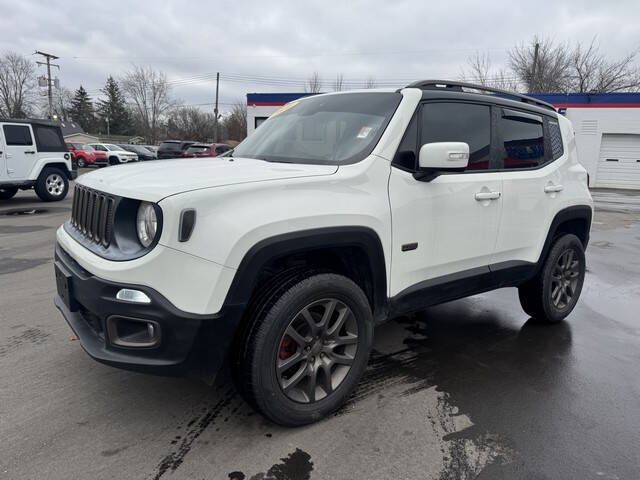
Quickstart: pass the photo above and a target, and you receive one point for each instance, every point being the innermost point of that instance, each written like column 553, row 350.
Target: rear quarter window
column 49, row 139
column 555, row 139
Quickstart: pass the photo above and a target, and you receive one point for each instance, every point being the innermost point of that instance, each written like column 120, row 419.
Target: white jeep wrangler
column 33, row 154
column 339, row 212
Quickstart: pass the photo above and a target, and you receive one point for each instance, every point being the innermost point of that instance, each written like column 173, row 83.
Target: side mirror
column 444, row 156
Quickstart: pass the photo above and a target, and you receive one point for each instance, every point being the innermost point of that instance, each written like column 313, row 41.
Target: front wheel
column 8, row 193
column 306, row 349
column 52, row 185
column 81, row 162
column 553, row 293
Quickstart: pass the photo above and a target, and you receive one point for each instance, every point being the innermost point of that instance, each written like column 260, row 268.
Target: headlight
column 147, row 224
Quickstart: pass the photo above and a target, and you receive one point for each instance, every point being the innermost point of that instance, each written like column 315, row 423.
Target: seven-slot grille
column 92, row 214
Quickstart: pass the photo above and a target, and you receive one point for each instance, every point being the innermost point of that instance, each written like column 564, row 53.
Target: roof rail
column 458, row 86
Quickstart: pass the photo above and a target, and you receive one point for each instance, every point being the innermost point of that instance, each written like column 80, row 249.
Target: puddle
column 24, row 211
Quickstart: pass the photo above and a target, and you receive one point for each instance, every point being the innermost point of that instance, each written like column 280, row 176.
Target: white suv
column 115, row 153
column 33, row 155
column 339, row 212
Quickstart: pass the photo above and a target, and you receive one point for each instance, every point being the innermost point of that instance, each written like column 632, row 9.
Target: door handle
column 481, row 196
column 553, row 188
column 30, row 152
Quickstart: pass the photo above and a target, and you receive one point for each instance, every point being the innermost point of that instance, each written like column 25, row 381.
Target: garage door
column 619, row 162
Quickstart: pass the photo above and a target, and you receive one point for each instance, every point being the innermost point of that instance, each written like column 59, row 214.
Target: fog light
column 133, row 296
column 133, row 332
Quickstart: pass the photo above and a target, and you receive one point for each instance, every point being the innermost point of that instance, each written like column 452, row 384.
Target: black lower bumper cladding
column 190, row 344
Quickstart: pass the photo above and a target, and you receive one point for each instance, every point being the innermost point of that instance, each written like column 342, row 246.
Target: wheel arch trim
column 283, row 245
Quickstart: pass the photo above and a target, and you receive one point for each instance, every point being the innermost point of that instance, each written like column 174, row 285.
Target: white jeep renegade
column 33, row 154
column 340, row 211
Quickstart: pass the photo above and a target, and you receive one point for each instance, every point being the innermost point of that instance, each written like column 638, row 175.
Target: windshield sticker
column 285, row 107
column 364, row 132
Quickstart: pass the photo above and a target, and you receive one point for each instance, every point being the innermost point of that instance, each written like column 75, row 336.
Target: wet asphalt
column 465, row 390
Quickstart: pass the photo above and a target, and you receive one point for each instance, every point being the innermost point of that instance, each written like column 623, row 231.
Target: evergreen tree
column 82, row 109
column 113, row 109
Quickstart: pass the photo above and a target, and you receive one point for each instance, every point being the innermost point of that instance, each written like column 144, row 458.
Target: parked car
column 292, row 247
column 206, row 150
column 152, row 148
column 142, row 152
column 115, row 153
column 85, row 155
column 33, row 154
column 173, row 148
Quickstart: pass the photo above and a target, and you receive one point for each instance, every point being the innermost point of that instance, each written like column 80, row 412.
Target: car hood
column 153, row 181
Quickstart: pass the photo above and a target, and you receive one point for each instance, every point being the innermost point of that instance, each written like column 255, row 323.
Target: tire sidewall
column 562, row 244
column 41, row 186
column 269, row 395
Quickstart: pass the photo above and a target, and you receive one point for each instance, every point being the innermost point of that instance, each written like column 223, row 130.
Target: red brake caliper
column 287, row 348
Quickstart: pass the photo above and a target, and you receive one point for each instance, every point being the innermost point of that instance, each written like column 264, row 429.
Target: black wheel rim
column 317, row 350
column 564, row 279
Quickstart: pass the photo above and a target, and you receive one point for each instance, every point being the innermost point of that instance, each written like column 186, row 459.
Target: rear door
column 20, row 150
column 532, row 183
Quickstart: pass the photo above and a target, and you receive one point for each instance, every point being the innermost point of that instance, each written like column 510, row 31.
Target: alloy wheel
column 317, row 350
column 564, row 279
column 54, row 184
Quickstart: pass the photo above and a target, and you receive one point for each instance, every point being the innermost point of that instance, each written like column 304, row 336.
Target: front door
column 446, row 227
column 19, row 150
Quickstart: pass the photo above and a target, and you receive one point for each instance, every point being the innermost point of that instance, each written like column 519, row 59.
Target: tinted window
column 406, row 154
column 222, row 149
column 17, row 135
column 49, row 139
column 170, row 146
column 555, row 139
column 523, row 139
column 197, row 149
column 459, row 122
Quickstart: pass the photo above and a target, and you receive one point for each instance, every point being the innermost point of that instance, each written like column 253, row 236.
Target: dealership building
column 607, row 130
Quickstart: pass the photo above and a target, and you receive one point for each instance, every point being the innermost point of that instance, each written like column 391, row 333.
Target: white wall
column 254, row 112
column 591, row 123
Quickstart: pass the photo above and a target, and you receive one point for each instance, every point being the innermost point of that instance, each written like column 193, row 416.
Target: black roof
column 36, row 121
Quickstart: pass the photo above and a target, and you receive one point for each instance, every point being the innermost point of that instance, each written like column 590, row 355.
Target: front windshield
column 112, row 147
column 331, row 129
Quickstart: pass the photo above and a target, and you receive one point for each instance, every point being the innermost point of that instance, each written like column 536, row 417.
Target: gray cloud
column 399, row 40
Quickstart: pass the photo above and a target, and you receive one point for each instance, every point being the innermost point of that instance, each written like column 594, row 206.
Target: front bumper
column 189, row 344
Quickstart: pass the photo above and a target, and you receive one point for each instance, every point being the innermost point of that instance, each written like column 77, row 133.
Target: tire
column 81, row 162
column 114, row 161
column 336, row 356
column 52, row 185
column 553, row 293
column 7, row 193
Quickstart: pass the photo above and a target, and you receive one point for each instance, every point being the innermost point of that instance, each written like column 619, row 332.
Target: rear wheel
column 7, row 193
column 306, row 349
column 52, row 185
column 81, row 162
column 554, row 292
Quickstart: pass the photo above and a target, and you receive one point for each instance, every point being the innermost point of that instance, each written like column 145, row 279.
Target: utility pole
column 215, row 110
column 534, row 69
column 48, row 57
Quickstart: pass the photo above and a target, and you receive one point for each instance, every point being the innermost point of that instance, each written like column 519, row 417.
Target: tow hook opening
column 133, row 332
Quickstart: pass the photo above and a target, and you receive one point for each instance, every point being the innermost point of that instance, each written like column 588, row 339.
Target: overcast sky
column 273, row 45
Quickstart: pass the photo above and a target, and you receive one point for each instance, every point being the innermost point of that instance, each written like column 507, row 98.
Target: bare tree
column 370, row 83
column 17, row 85
column 593, row 72
column 236, row 122
column 481, row 72
column 542, row 65
column 338, row 83
column 149, row 94
column 313, row 84
column 191, row 123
